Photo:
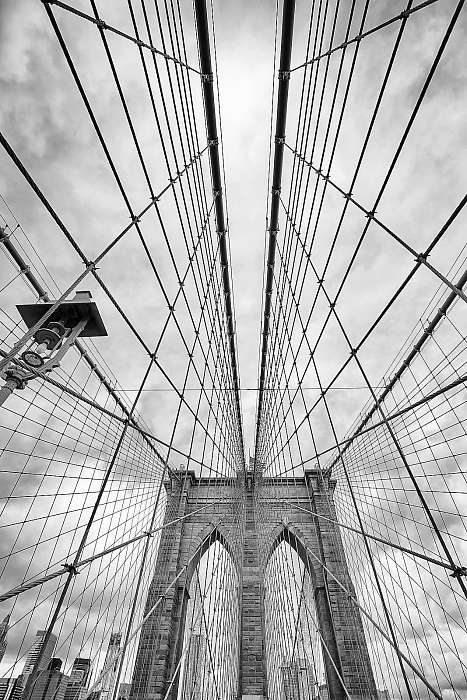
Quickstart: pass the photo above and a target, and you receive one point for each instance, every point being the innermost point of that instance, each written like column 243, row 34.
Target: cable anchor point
column 71, row 568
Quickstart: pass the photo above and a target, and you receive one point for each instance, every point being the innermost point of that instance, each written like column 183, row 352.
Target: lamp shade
column 71, row 312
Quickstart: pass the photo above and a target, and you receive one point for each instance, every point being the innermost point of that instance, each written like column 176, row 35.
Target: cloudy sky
column 43, row 118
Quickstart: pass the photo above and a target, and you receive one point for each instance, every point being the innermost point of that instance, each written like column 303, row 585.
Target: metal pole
column 7, row 389
column 52, row 363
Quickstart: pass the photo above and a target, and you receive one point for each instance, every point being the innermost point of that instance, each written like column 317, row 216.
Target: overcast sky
column 43, row 118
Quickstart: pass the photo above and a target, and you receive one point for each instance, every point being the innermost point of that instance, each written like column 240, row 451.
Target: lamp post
column 45, row 348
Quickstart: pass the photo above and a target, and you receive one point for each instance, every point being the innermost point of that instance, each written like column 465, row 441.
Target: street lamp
column 44, row 350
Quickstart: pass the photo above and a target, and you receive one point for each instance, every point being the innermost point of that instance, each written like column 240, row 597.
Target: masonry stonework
column 246, row 525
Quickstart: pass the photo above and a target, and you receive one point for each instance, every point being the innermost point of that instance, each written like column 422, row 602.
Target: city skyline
column 53, row 683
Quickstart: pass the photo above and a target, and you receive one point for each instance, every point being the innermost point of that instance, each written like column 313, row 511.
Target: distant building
column 195, row 676
column 194, row 666
column 307, row 678
column 79, row 679
column 323, row 692
column 298, row 680
column 11, row 688
column 5, row 684
column 3, row 632
column 107, row 681
column 383, row 694
column 290, row 681
column 306, row 619
column 51, row 683
column 55, row 664
column 33, row 654
column 124, row 691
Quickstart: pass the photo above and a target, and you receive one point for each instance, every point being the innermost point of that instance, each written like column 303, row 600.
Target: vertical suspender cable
column 288, row 13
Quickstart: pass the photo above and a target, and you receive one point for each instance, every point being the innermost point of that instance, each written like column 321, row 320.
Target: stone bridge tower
column 160, row 646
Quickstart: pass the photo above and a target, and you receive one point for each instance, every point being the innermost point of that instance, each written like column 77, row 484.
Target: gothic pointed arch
column 212, row 533
column 297, row 540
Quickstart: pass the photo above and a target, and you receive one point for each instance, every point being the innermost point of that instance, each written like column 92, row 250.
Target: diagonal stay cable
column 146, row 175
column 42, row 294
column 406, row 131
column 114, row 301
column 90, row 266
column 29, row 585
column 168, row 124
column 435, row 322
column 402, row 15
column 459, row 571
column 108, row 27
column 81, row 396
column 277, row 343
column 333, row 151
column 411, row 120
column 378, row 424
column 117, row 178
column 406, row 550
column 407, row 361
column 420, row 257
column 354, row 600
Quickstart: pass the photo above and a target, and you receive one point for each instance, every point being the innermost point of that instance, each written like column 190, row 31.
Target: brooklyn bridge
column 233, row 352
